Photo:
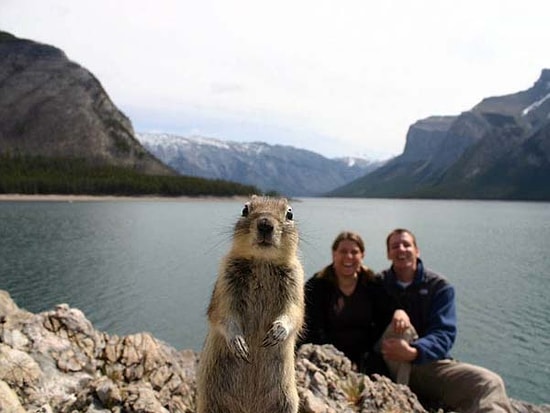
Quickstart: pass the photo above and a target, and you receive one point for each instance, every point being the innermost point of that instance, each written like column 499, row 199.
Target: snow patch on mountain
column 284, row 169
column 535, row 105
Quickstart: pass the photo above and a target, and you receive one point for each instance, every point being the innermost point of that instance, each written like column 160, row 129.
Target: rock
column 9, row 402
column 108, row 392
column 56, row 361
column 17, row 367
column 327, row 383
column 7, row 305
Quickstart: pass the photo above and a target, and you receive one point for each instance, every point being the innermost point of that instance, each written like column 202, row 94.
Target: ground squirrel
column 255, row 314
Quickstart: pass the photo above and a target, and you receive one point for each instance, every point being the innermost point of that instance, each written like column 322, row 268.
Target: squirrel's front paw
column 277, row 333
column 239, row 347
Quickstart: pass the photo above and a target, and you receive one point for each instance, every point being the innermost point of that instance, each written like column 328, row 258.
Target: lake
column 150, row 265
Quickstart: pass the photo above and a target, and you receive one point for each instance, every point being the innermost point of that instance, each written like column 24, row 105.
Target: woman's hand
column 400, row 321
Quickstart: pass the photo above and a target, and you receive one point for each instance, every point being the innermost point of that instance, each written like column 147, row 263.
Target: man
column 428, row 303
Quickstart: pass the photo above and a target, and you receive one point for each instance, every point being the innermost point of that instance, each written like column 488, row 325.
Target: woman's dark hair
column 348, row 236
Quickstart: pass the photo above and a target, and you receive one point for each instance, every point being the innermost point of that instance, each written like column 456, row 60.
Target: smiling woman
column 339, row 302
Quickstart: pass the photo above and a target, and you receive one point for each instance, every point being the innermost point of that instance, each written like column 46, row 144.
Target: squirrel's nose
column 265, row 226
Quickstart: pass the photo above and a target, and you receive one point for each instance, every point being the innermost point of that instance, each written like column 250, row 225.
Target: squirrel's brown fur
column 255, row 314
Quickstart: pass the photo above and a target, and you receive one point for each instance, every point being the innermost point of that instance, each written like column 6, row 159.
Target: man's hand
column 400, row 321
column 397, row 349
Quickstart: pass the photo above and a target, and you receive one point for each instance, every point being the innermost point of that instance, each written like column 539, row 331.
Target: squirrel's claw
column 240, row 348
column 276, row 334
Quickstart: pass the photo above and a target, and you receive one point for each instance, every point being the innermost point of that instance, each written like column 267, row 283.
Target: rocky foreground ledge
column 56, row 361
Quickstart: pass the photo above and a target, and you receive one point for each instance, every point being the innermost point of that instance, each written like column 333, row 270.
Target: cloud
column 338, row 77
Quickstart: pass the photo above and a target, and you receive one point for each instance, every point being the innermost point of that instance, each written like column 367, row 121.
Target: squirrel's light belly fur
column 255, row 314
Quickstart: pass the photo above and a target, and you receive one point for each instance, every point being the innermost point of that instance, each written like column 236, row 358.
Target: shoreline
column 112, row 198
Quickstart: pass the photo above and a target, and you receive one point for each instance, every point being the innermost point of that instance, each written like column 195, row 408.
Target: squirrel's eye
column 289, row 214
column 246, row 209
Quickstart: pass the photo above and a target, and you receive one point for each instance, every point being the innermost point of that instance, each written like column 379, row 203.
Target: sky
column 340, row 78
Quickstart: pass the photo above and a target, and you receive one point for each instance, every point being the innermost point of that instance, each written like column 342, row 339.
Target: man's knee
column 493, row 383
column 486, row 380
column 491, row 394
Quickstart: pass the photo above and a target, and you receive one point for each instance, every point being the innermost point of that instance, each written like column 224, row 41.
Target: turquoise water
column 136, row 266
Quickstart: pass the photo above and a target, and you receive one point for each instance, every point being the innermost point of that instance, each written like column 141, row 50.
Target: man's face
column 402, row 251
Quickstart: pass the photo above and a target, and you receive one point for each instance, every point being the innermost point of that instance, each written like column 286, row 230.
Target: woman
column 339, row 301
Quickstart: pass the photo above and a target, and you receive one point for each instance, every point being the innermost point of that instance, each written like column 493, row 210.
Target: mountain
column 499, row 149
column 57, row 120
column 61, row 133
column 284, row 169
column 53, row 107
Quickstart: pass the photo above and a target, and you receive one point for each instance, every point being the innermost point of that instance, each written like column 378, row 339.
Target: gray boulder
column 56, row 361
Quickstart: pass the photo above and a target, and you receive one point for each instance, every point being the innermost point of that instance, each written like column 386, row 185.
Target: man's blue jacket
column 430, row 304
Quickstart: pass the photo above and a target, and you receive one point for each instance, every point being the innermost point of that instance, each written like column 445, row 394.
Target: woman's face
column 347, row 258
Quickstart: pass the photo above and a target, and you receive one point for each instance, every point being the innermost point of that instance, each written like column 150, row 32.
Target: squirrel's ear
column 246, row 209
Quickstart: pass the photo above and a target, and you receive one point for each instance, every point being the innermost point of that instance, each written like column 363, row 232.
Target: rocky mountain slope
column 499, row 149
column 56, row 361
column 284, row 169
column 53, row 107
